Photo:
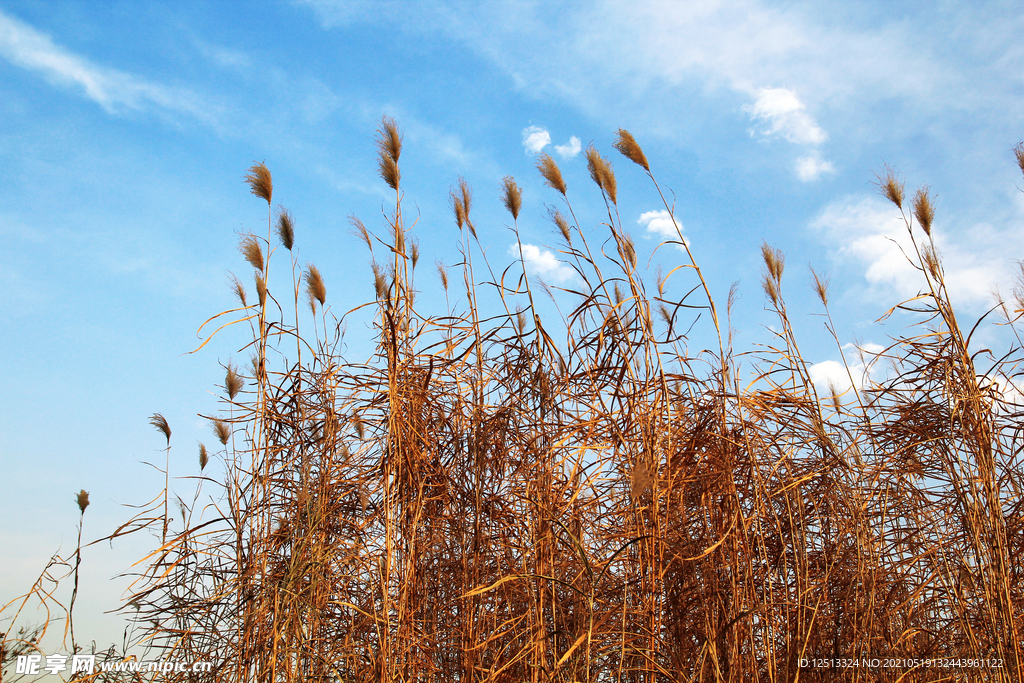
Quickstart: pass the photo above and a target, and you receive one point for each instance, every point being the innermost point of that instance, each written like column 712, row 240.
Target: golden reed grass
column 480, row 502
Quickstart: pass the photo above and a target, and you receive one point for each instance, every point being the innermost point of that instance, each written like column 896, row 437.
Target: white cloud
column 570, row 149
column 870, row 232
column 861, row 366
column 661, row 224
column 114, row 90
column 543, row 262
column 811, row 167
column 782, row 114
column 535, row 139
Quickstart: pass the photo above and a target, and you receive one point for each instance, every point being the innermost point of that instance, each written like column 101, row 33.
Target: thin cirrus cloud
column 114, row 90
column 535, row 139
column 543, row 263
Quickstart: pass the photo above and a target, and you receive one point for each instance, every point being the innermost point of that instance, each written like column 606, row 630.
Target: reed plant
column 493, row 497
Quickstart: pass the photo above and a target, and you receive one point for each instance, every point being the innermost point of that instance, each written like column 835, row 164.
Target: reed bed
column 482, row 501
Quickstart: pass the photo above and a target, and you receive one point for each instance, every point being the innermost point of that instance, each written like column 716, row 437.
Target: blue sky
column 127, row 127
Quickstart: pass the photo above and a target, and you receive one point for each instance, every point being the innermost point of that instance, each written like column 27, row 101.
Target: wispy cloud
column 114, row 90
column 535, row 139
column 543, row 262
column 811, row 167
column 869, row 233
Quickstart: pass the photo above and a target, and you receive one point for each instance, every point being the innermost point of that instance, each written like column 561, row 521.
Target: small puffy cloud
column 543, row 262
column 781, row 113
column 535, row 139
column 811, row 167
column 860, row 366
column 662, row 225
column 570, row 149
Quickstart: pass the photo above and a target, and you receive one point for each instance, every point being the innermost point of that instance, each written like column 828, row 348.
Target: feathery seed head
column 774, row 261
column 467, row 197
column 891, row 187
column 222, row 430
column 511, row 196
column 627, row 145
column 459, row 209
column 233, row 382
column 443, row 274
column 932, row 262
column 83, row 500
column 561, row 223
column 520, row 319
column 251, row 250
column 389, row 140
column 286, row 228
column 360, row 231
column 315, row 288
column 665, row 314
column 924, row 210
column 238, row 289
column 601, row 173
column 261, row 289
column 389, row 148
column 204, row 457
column 259, row 181
column 1018, row 151
column 158, row 421
column 414, row 253
column 389, row 172
column 820, row 287
column 618, row 294
column 551, row 173
column 380, row 285
column 629, row 251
